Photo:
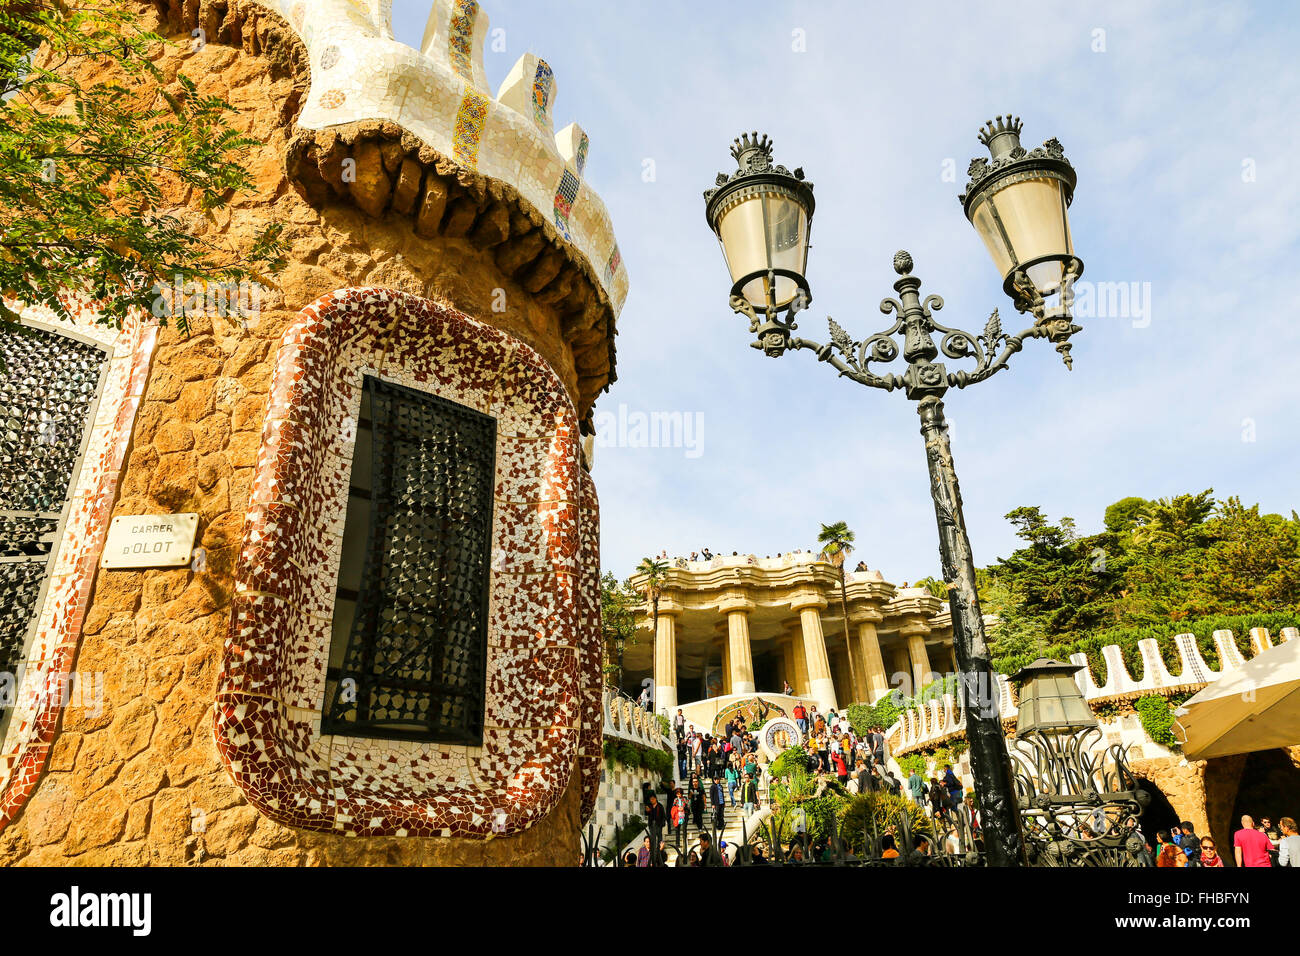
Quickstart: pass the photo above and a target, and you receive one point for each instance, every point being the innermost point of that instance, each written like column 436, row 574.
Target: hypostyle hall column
column 666, row 661
column 740, row 657
column 915, row 633
column 873, row 673
column 725, row 650
column 800, row 679
column 820, row 686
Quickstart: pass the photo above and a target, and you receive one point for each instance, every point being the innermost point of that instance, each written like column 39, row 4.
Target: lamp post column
column 990, row 765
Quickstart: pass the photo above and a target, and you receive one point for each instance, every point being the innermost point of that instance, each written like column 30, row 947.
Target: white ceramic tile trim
column 369, row 75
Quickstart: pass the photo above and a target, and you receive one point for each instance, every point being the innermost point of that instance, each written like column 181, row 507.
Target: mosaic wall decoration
column 469, row 128
column 68, row 372
column 542, row 638
column 753, row 711
column 565, row 195
column 611, row 267
column 590, row 646
column 440, row 94
column 543, row 90
column 460, row 45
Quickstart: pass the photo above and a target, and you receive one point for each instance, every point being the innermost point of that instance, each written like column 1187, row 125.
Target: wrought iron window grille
column 409, row 659
column 50, row 384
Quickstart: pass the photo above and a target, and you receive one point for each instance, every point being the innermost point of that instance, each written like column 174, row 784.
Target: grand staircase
column 734, row 830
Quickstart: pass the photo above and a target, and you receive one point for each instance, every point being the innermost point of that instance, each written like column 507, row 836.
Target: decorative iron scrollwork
column 915, row 322
column 1079, row 803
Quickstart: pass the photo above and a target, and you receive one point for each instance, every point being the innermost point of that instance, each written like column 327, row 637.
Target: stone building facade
column 734, row 626
column 447, row 256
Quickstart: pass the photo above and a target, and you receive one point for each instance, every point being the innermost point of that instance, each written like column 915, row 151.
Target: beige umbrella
column 1256, row 707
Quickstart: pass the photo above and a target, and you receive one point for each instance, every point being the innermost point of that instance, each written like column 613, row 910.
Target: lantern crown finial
column 752, row 152
column 1001, row 135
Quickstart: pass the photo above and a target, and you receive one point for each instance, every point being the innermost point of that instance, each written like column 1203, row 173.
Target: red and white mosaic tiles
column 45, row 689
column 591, row 737
column 543, row 640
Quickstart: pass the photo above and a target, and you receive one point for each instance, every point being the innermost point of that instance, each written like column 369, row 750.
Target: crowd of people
column 705, row 554
column 1254, row 844
column 715, row 771
column 723, row 773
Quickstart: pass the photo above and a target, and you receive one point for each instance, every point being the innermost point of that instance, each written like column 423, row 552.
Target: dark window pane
column 414, row 663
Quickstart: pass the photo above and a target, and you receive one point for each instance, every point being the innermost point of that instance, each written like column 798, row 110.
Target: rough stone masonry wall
column 141, row 782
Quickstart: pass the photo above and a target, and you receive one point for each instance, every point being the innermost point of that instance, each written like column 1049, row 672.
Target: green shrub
column 1157, row 719
column 941, row 756
column 793, row 762
column 821, row 801
column 910, row 762
column 885, row 810
column 634, row 756
column 884, row 713
column 629, row 755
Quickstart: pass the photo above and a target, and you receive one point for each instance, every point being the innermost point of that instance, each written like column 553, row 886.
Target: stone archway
column 1159, row 814
column 1178, row 789
column 1269, row 783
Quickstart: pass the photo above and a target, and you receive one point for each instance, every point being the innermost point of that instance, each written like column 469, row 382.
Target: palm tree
column 837, row 544
column 934, row 585
column 653, row 586
column 1167, row 521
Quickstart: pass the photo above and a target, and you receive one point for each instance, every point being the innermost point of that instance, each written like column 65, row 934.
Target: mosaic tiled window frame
column 543, row 654
column 591, row 738
column 34, row 723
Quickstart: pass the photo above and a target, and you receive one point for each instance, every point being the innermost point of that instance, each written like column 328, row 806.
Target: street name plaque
column 150, row 541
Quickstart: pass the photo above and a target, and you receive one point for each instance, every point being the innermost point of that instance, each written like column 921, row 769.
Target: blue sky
column 1181, row 121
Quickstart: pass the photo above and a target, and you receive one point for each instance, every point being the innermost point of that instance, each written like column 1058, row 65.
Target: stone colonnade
column 724, row 603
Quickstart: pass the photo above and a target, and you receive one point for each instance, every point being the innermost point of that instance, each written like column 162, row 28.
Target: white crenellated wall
column 938, row 722
column 624, row 720
column 621, row 787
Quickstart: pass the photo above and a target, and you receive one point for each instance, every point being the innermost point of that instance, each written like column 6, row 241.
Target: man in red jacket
column 801, row 718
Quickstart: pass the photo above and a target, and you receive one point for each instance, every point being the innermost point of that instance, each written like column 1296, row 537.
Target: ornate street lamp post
column 620, row 643
column 1017, row 201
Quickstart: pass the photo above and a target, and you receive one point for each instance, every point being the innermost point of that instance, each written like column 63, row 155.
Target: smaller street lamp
column 1079, row 802
column 1050, row 700
column 620, row 642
